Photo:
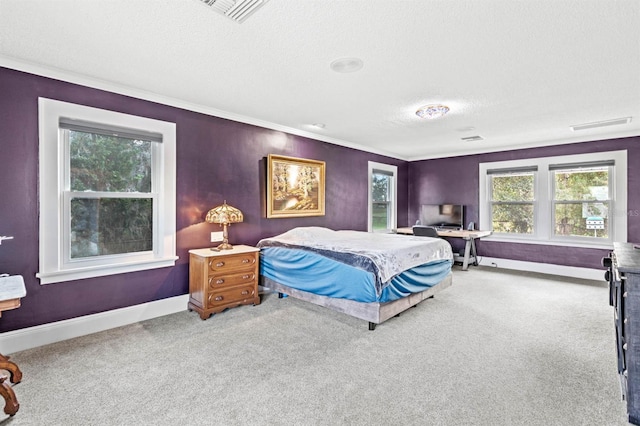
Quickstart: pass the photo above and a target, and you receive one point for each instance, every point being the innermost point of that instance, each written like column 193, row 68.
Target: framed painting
column 295, row 187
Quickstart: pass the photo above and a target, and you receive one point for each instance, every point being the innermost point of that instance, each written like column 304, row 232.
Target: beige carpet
column 497, row 348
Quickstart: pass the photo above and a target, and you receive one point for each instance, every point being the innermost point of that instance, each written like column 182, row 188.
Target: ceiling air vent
column 238, row 10
column 473, row 138
column 597, row 124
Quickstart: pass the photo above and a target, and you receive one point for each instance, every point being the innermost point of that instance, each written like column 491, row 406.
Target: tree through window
column 512, row 201
column 110, row 194
column 581, row 201
column 382, row 197
column 573, row 200
column 107, row 187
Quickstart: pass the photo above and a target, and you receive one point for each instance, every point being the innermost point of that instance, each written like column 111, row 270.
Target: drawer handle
column 246, row 260
column 219, row 264
column 245, row 277
column 219, row 281
column 244, row 293
column 218, row 298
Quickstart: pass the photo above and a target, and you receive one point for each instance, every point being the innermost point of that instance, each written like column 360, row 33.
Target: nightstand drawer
column 235, row 294
column 228, row 263
column 219, row 281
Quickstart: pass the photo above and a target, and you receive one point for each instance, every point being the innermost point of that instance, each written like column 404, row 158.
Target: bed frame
column 375, row 312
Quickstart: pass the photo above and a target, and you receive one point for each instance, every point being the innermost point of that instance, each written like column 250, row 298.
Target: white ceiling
column 518, row 72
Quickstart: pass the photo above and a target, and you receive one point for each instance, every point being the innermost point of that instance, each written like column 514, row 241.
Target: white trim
column 372, row 165
column 32, row 337
column 101, row 271
column 543, row 232
column 54, row 265
column 96, row 83
column 544, row 268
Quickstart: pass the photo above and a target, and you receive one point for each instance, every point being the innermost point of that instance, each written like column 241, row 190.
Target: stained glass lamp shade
column 224, row 215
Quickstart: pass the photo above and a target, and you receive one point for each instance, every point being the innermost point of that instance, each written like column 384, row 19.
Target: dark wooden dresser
column 623, row 274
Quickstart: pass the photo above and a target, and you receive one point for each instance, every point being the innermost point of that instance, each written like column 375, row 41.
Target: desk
column 470, row 254
column 12, row 289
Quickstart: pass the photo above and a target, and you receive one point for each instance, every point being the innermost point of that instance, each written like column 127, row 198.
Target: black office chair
column 425, row 231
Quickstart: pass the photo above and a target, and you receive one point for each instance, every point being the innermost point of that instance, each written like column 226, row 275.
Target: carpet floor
column 496, row 348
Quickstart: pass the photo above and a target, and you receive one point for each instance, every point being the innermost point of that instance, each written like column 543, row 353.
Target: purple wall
column 217, row 159
column 456, row 180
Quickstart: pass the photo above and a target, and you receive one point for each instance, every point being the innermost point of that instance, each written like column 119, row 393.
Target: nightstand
column 223, row 279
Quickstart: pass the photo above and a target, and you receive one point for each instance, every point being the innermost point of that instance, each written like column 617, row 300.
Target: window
column 382, row 197
column 577, row 200
column 512, row 200
column 107, row 192
column 582, row 199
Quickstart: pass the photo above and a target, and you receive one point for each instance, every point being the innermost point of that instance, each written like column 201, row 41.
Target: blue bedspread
column 384, row 255
column 310, row 271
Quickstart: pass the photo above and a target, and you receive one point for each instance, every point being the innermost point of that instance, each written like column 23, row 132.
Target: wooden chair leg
column 11, row 402
column 15, row 375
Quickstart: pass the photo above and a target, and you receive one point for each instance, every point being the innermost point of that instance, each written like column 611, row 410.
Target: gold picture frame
column 295, row 187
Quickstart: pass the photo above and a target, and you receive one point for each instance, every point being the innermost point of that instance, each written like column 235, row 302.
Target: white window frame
column 55, row 264
column 543, row 204
column 393, row 196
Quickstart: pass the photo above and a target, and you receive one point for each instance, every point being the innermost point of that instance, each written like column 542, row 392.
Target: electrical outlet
column 216, row 237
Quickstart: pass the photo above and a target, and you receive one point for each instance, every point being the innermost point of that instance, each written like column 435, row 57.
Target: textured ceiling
column 518, row 73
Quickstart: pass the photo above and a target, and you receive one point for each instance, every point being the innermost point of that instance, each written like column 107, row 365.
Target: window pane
column 582, row 184
column 512, row 218
column 381, row 197
column 102, row 226
column 109, row 163
column 380, row 185
column 512, row 187
column 582, row 219
column 380, row 213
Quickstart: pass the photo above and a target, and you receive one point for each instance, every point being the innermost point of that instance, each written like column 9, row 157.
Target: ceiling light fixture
column 318, row 125
column 432, row 111
column 346, row 65
column 597, row 124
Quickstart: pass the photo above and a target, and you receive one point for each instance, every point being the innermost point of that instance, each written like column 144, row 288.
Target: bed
column 369, row 276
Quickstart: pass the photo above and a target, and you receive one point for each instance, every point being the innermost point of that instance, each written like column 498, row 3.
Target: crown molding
column 109, row 86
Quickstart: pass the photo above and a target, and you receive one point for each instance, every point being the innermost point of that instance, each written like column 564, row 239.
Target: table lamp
column 224, row 215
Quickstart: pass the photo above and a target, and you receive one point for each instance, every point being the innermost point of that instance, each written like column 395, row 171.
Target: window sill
column 51, row 277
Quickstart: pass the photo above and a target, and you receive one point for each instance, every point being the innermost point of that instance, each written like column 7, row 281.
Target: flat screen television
column 448, row 216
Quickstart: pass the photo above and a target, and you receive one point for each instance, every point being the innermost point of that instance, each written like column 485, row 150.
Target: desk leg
column 474, row 253
column 467, row 250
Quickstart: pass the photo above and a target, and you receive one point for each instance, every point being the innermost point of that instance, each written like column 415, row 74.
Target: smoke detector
column 237, row 10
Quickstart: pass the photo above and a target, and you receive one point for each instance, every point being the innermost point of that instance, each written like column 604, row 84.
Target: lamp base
column 225, row 246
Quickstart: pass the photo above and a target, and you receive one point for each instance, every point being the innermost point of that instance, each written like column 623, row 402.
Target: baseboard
column 544, row 268
column 32, row 337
